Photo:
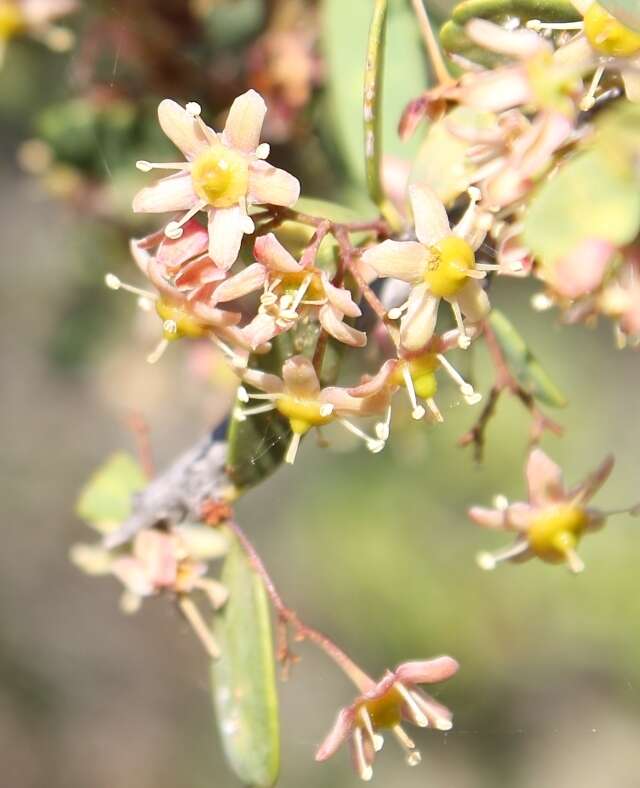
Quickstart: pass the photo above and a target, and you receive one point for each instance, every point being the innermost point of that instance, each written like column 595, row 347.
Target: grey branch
column 177, row 494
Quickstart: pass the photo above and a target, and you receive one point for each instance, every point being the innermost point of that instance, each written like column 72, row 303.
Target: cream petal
column 268, row 184
column 631, row 80
column 300, row 378
column 426, row 671
column 174, row 193
column 131, row 573
column 269, row 251
column 576, row 55
column 244, row 121
column 429, row 215
column 497, row 90
column 227, row 226
column 248, row 280
column 404, row 260
column 544, row 479
column 260, row 330
column 419, row 322
column 264, row 381
column 332, row 322
column 338, row 734
column 520, row 44
column 340, row 298
column 473, row 301
column 487, row 518
column 181, row 128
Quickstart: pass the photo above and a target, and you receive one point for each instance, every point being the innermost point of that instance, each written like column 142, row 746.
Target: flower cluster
column 35, row 18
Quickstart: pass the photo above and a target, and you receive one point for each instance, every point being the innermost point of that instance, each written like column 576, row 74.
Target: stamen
column 576, row 564
column 588, row 100
column 471, row 396
column 541, row 302
column 157, row 354
column 463, row 340
column 417, row 714
column 501, row 502
column 538, row 25
column 475, row 273
column 326, row 409
column 215, row 591
column 147, row 166
column 194, row 109
column 238, row 361
column 174, row 229
column 435, row 410
column 263, row 150
column 382, row 427
column 489, row 561
column 365, row 772
column 487, row 267
column 377, row 741
column 408, row 745
column 115, row 283
column 242, row 413
column 374, row 445
column 194, row 617
column 301, row 292
column 397, row 311
column 467, row 222
column 418, row 411
column 292, row 451
column 243, row 394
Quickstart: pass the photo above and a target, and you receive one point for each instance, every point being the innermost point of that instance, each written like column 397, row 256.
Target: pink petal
column 198, row 272
column 426, row 671
column 263, row 381
column 473, row 301
column 214, row 317
column 582, row 270
column 544, row 479
column 158, row 554
column 260, row 330
column 487, row 518
column 300, row 378
column 246, row 281
column 244, row 121
column 404, row 260
column 227, row 226
column 193, row 242
column 517, row 43
column 419, row 322
column 140, row 255
column 590, row 486
column 181, row 128
column 269, row 251
column 496, row 90
column 340, row 298
column 268, row 184
column 174, row 193
column 331, row 320
column 39, row 12
column 338, row 734
column 375, row 384
column 429, row 215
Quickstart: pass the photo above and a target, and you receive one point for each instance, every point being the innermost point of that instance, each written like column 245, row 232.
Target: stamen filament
column 373, row 444
column 417, row 714
column 463, row 340
column 174, row 229
column 537, row 25
column 588, row 100
column 376, row 739
column 115, row 283
column 147, row 166
column 489, row 561
column 417, row 411
column 158, row 352
column 292, row 451
column 194, row 617
column 365, row 772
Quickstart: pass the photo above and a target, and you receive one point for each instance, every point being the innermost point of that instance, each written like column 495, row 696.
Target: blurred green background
column 374, row 550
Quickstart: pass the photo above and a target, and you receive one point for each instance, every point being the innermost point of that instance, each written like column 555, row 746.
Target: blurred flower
column 394, row 699
column 223, row 174
column 440, row 264
column 551, row 523
column 292, row 289
column 34, row 18
column 581, row 271
column 300, row 399
column 620, row 298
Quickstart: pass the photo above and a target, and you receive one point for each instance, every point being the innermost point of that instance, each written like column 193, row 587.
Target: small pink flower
column 293, row 289
column 299, row 397
column 550, row 524
column 223, row 174
column 395, row 699
column 440, row 264
column 582, row 271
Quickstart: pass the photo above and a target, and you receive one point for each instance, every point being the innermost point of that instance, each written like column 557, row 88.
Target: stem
column 290, row 617
column 431, row 44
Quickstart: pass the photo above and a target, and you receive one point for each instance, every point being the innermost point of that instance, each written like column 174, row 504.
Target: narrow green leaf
column 105, row 501
column 525, row 366
column 373, row 86
column 243, row 679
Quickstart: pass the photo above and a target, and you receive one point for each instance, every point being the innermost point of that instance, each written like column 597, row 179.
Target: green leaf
column 105, row 500
column 442, row 161
column 243, row 678
column 589, row 198
column 524, row 365
column 345, row 34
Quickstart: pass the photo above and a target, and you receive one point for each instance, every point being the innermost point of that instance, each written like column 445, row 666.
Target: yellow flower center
column 178, row 323
column 11, row 20
column 386, row 711
column 220, row 176
column 449, row 261
column 607, row 35
column 292, row 282
column 422, row 370
column 556, row 532
column 303, row 414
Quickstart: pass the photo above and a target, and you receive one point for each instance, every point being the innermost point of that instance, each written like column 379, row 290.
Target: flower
column 299, row 398
column 440, row 264
column 34, row 18
column 620, row 299
column 293, row 288
column 417, row 374
column 394, row 699
column 551, row 523
column 223, row 174
column 189, row 290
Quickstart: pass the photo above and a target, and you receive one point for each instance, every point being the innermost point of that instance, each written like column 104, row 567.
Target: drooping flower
column 386, row 704
column 35, row 18
column 190, row 289
column 223, row 174
column 300, row 399
column 293, row 289
column 552, row 522
column 440, row 264
column 417, row 374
